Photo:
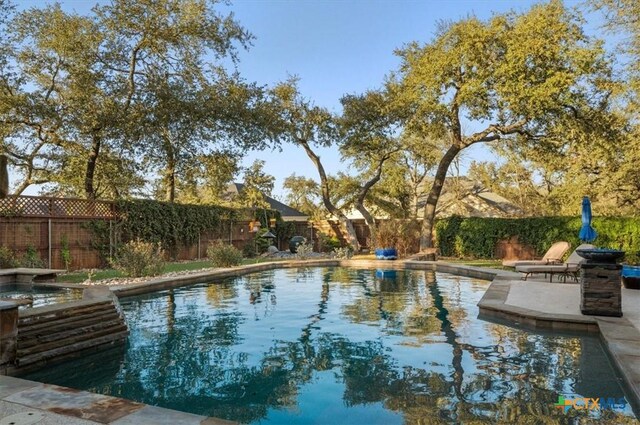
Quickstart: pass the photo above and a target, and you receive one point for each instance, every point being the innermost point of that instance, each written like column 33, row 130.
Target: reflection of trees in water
column 512, row 377
column 221, row 294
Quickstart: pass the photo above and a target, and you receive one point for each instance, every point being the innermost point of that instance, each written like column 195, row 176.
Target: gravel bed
column 121, row 281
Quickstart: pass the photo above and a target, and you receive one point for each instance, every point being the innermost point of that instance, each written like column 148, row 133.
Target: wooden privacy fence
column 60, row 229
column 56, row 228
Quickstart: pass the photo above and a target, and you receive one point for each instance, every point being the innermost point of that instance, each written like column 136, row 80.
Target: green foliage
column 65, row 252
column 101, row 240
column 533, row 79
column 328, row 243
column 476, row 237
column 107, row 71
column 138, row 258
column 260, row 243
column 224, row 255
column 8, row 258
column 249, row 250
column 343, row 253
column 303, row 194
column 257, row 185
column 171, row 225
column 304, row 251
column 283, row 230
column 31, row 259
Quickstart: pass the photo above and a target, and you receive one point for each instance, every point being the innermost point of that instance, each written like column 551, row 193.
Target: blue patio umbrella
column 587, row 233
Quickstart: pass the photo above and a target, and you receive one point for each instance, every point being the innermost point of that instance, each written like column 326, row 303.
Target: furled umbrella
column 587, row 233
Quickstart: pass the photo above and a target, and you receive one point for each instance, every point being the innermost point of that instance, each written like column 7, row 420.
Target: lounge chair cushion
column 571, row 266
column 553, row 255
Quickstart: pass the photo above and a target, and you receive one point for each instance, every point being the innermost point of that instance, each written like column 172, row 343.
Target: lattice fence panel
column 35, row 206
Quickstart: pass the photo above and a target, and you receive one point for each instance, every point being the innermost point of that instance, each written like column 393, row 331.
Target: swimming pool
column 344, row 345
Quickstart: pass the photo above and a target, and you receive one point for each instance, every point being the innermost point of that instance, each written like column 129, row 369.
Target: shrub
column 31, row 259
column 249, row 250
column 328, row 243
column 403, row 235
column 8, row 258
column 343, row 253
column 138, row 258
column 386, row 234
column 304, row 251
column 224, row 255
column 65, row 252
column 407, row 236
column 261, row 243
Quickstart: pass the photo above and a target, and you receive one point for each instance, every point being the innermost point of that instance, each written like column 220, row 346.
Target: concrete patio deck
column 556, row 306
column 28, row 402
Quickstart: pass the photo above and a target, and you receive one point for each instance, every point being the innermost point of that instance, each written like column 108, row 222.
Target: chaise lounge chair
column 553, row 256
column 570, row 268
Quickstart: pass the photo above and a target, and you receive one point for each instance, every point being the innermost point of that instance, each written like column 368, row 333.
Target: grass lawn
column 493, row 264
column 180, row 266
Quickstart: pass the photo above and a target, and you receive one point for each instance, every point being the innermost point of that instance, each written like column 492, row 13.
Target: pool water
column 37, row 296
column 343, row 345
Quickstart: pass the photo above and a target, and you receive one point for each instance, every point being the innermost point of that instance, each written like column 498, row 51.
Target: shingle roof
column 285, row 210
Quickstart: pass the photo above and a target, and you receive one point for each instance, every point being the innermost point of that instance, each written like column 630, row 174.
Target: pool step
column 44, row 315
column 64, row 323
column 42, row 338
column 69, row 352
column 60, row 332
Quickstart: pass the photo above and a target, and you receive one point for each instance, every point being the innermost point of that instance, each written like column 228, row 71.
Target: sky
column 335, row 47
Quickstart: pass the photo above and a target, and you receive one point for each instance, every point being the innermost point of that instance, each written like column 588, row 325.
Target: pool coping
column 27, row 275
column 56, row 404
column 620, row 337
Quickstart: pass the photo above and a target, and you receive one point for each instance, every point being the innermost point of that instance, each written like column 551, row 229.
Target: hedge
column 476, row 237
column 170, row 224
column 174, row 225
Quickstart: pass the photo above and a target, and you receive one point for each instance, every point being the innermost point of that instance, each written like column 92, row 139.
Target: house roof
column 460, row 196
column 287, row 213
column 465, row 197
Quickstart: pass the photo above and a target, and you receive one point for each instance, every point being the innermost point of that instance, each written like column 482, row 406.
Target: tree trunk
column 89, row 188
column 371, row 222
column 170, row 180
column 4, row 176
column 347, row 225
column 170, row 171
column 368, row 218
column 426, row 240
